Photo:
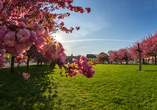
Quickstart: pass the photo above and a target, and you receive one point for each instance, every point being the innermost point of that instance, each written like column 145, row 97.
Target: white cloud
column 86, row 26
column 83, row 40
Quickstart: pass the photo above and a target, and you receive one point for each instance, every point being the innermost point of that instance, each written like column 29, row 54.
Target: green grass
column 112, row 87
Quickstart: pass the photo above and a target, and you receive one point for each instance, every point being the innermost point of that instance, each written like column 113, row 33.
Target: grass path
column 112, row 87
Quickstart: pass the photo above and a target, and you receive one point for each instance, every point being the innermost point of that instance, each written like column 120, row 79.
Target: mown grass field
column 113, row 87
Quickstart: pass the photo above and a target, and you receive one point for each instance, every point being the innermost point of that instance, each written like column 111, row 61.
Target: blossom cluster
column 53, row 51
column 24, row 23
column 83, row 67
column 19, row 59
column 2, row 58
column 18, row 41
column 25, row 75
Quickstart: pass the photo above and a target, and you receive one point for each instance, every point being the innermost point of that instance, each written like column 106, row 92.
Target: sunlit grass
column 112, row 87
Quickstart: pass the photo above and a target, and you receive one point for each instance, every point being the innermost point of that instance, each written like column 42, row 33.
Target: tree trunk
column 126, row 62
column 28, row 61
column 155, row 59
column 12, row 64
column 143, row 61
column 38, row 62
column 41, row 63
column 152, row 59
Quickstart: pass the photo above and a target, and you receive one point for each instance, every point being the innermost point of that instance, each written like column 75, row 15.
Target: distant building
column 91, row 57
column 69, row 58
column 96, row 55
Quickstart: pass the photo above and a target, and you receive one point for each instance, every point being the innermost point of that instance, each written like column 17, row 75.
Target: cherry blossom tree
column 150, row 45
column 134, row 54
column 34, row 54
column 120, row 55
column 26, row 22
column 2, row 58
column 124, row 55
column 114, row 56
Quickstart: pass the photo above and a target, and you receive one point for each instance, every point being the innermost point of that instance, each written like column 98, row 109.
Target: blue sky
column 111, row 25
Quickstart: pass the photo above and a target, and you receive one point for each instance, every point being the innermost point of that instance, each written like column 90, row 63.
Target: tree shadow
column 38, row 92
column 150, row 70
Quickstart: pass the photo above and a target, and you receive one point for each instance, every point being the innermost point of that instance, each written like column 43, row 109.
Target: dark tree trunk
column 155, row 59
column 12, row 64
column 143, row 61
column 38, row 62
column 41, row 63
column 126, row 62
column 152, row 59
column 140, row 67
column 28, row 61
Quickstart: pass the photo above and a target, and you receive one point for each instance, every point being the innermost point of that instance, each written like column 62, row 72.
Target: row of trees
column 148, row 47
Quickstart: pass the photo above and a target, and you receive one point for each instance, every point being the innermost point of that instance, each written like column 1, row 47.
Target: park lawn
column 112, row 87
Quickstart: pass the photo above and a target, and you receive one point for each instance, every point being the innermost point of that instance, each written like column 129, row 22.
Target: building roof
column 71, row 56
column 91, row 56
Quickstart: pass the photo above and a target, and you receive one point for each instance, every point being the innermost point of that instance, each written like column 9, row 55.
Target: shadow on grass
column 150, row 70
column 38, row 92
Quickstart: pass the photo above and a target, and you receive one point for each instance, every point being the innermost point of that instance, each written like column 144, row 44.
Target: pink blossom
column 20, row 48
column 2, row 51
column 41, row 50
column 74, row 72
column 11, row 50
column 68, row 64
column 1, row 5
column 58, row 47
column 40, row 30
column 29, row 43
column 33, row 36
column 22, row 24
column 23, row 35
column 34, row 25
column 2, row 64
column 84, row 68
column 40, row 41
column 20, row 62
column 14, row 22
column 15, row 61
column 61, row 58
column 9, row 39
column 62, row 23
column 25, row 53
column 4, row 14
column 3, row 31
column 26, row 75
column 88, row 9
column 47, row 46
column 82, row 58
